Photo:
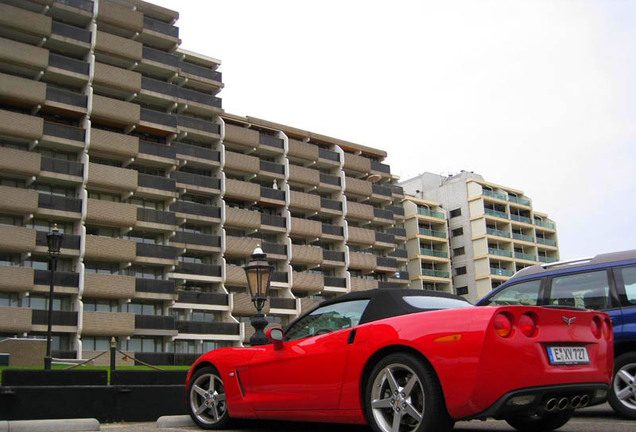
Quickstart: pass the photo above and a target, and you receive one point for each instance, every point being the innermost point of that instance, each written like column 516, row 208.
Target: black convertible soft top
column 385, row 303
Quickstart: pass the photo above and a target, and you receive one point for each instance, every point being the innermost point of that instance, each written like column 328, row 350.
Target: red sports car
column 411, row 360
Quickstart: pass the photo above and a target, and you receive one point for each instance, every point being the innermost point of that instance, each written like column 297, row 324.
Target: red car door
column 304, row 374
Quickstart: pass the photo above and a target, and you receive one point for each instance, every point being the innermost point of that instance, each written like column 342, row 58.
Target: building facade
column 494, row 230
column 114, row 133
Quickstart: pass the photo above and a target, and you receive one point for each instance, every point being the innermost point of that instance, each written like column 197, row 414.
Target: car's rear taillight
column 607, row 328
column 596, row 325
column 503, row 324
column 528, row 324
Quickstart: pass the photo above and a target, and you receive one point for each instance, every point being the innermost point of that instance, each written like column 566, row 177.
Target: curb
column 67, row 425
column 172, row 422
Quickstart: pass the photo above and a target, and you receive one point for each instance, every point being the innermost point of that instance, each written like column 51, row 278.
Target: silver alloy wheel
column 625, row 385
column 207, row 399
column 397, row 399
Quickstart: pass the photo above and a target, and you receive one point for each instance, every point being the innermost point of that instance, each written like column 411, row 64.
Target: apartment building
column 494, row 230
column 114, row 133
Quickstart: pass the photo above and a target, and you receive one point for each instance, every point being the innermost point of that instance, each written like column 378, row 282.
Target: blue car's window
column 629, row 280
column 326, row 319
column 589, row 290
column 524, row 293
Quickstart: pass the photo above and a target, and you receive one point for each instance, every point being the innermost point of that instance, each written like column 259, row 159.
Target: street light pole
column 54, row 241
column 258, row 272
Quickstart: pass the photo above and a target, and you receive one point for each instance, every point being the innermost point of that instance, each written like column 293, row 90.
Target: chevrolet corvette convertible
column 411, row 361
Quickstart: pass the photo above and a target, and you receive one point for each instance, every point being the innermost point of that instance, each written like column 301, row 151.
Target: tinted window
column 524, row 293
column 582, row 290
column 327, row 319
column 425, row 302
column 629, row 280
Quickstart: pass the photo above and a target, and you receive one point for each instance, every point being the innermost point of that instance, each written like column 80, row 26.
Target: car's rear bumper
column 545, row 398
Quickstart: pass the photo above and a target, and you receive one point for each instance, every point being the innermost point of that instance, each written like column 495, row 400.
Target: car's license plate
column 568, row 355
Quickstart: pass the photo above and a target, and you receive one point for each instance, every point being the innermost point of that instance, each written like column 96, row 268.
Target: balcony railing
column 161, row 27
column 383, row 168
column 272, row 167
column 501, row 272
column 203, row 298
column 331, row 255
column 156, row 216
column 272, row 193
column 546, row 241
column 525, row 256
column 384, row 237
column 494, row 194
column 435, row 273
column 70, row 31
column 61, row 318
column 160, row 56
column 329, row 155
column 335, row 282
column 333, row 230
column 64, row 131
column 196, row 151
column 156, row 251
column 426, row 212
column 196, row 180
column 157, row 86
column 523, row 237
column 270, row 141
column 65, row 279
column 397, row 190
column 157, row 149
column 398, row 232
column 497, row 233
column 520, row 218
column 156, row 182
column 208, row 328
column 68, row 64
column 399, row 253
column 199, row 124
column 154, row 322
column 433, row 253
column 330, row 204
column 500, row 252
column 546, row 259
column 69, row 241
column 399, row 211
column 543, row 224
column 386, row 262
column 157, row 286
column 54, row 202
column 381, row 190
column 197, row 239
column 281, row 277
column 196, row 209
column 496, row 213
column 86, row 5
column 330, row 179
column 274, row 248
column 382, row 214
column 198, row 97
column 432, row 233
column 518, row 200
column 198, row 269
column 61, row 166
column 282, row 303
column 158, row 117
column 66, row 97
column 273, row 220
column 201, row 71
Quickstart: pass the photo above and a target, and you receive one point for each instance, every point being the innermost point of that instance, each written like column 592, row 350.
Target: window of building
column 101, row 305
column 457, row 232
column 96, row 343
column 463, row 290
column 460, row 270
column 456, row 212
column 459, row 251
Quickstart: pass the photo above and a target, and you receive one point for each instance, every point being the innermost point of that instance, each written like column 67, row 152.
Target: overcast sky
column 534, row 95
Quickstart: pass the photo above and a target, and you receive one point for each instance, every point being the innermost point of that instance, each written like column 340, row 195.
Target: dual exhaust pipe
column 561, row 404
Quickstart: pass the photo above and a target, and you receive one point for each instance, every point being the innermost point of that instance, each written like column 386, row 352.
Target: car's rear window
column 434, row 303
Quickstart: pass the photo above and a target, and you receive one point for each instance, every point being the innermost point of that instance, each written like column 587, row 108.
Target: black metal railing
column 270, row 141
column 273, row 220
column 86, row 5
column 199, row 124
column 66, row 97
column 64, row 131
column 330, row 179
column 197, row 239
column 158, row 86
column 196, row 209
column 65, row 279
column 69, row 241
column 203, row 298
column 274, row 248
column 333, row 230
column 398, row 190
column 384, row 237
column 158, row 117
column 335, row 282
column 396, row 210
column 399, row 253
column 208, row 328
column 398, row 232
column 155, row 322
column 201, row 71
column 386, row 262
column 330, row 204
column 329, row 155
column 62, row 166
column 381, row 190
column 160, row 56
column 63, row 318
column 70, row 31
column 54, row 202
column 272, row 167
column 383, row 168
column 272, row 193
column 157, row 286
column 156, row 251
column 156, row 182
column 196, row 151
column 282, row 303
column 382, row 214
column 198, row 97
column 331, row 255
column 157, row 149
column 161, row 27
column 68, row 64
column 198, row 269
column 196, row 179
column 156, row 216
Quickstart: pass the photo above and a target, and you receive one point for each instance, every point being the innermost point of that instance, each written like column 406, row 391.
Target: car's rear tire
column 403, row 393
column 544, row 422
column 206, row 401
column 622, row 394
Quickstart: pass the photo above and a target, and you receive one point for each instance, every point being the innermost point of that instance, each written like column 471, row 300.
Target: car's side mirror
column 275, row 335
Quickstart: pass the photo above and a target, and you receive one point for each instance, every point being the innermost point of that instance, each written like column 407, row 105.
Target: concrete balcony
column 235, row 276
column 110, row 213
column 304, row 202
column 15, row 320
column 192, row 211
column 302, row 176
column 103, row 286
column 115, row 112
column 147, row 253
column 359, row 284
column 198, row 129
column 356, row 188
column 361, row 236
column 16, row 279
column 18, row 201
column 108, row 324
column 27, row 25
column 196, row 155
column 307, row 282
column 362, row 261
column 23, row 56
column 100, row 248
column 238, row 162
column 109, row 178
column 58, row 207
column 310, row 256
column 271, row 196
column 240, row 137
column 116, row 81
column 155, row 289
column 302, row 151
column 240, row 246
column 197, row 183
column 153, row 186
column 196, row 242
column 24, row 127
column 17, row 239
column 332, row 232
column 159, row 34
column 358, row 211
column 305, row 228
column 113, row 15
column 356, row 164
column 107, row 143
column 19, row 91
column 113, row 49
column 155, row 325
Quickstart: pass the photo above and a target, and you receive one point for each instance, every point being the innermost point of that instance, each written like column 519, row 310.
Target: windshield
column 326, row 319
column 435, row 303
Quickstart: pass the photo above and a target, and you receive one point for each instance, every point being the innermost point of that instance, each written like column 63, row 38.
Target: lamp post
column 54, row 241
column 258, row 272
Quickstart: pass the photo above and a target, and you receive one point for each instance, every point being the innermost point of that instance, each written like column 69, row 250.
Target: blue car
column 606, row 282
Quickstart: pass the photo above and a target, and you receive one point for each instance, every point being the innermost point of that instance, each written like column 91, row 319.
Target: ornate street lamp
column 258, row 272
column 54, row 241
